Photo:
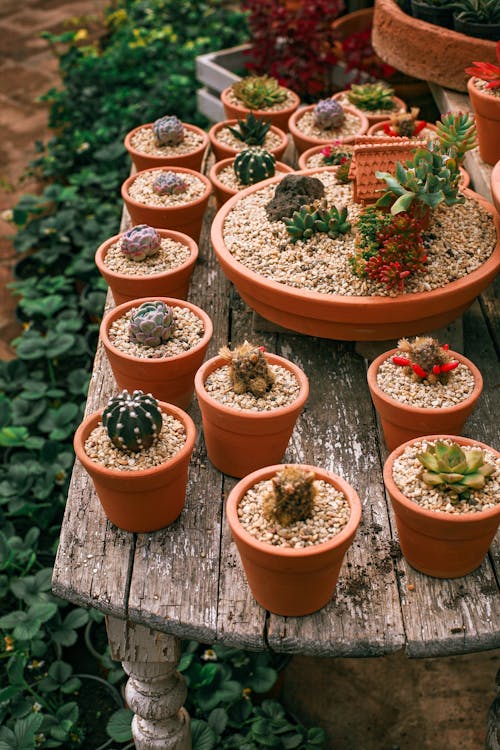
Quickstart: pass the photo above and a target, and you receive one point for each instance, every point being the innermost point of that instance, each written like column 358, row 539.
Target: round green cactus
column 253, row 165
column 133, row 421
column 151, row 324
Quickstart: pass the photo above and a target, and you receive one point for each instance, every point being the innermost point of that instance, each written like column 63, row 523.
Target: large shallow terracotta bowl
column 352, row 318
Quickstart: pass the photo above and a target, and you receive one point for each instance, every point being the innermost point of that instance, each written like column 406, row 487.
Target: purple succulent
column 151, row 324
column 169, row 183
column 328, row 113
column 168, row 131
column 140, row 242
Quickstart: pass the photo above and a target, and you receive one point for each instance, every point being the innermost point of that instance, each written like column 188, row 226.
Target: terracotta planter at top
column 399, row 106
column 241, row 441
column 167, row 378
column 171, row 283
column 221, row 151
column 402, row 422
column 144, row 500
column 191, row 160
column 487, row 115
column 305, row 155
column 284, row 580
column 443, row 545
column 303, row 141
column 186, row 218
column 221, row 191
column 279, row 117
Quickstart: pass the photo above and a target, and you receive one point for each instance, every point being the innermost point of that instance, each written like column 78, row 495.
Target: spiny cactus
column 371, row 96
column 259, row 92
column 169, row 183
column 457, row 134
column 405, row 124
column 427, row 358
column 328, row 113
column 292, row 496
column 133, row 421
column 310, row 220
column 252, row 130
column 455, row 470
column 254, row 164
column 140, row 242
column 168, row 131
column 248, row 369
column 151, row 324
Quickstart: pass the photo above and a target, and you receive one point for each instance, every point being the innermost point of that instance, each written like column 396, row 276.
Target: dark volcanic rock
column 293, row 192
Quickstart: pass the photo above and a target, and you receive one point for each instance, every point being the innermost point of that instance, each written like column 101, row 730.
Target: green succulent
column 454, row 469
column 457, row 134
column 332, row 222
column 371, row 96
column 259, row 92
column 309, row 220
column 252, row 130
column 133, row 420
column 302, row 225
column 477, row 11
column 254, row 164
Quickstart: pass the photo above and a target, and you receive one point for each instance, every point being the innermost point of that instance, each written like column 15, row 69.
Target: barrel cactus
column 169, row 183
column 328, row 113
column 292, row 496
column 248, row 369
column 168, row 131
column 253, row 165
column 133, row 421
column 140, row 242
column 151, row 324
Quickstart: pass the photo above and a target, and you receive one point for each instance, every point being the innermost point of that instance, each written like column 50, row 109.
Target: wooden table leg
column 155, row 690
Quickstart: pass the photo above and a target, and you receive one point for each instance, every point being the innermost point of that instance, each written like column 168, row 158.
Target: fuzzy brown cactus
column 291, row 498
column 248, row 369
column 427, row 359
column 405, row 124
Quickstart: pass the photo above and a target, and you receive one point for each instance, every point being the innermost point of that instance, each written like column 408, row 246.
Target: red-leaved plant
column 359, row 55
column 486, row 71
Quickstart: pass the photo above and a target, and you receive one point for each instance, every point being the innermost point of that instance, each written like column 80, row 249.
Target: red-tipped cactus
column 140, row 242
column 169, row 183
column 426, row 358
column 133, row 421
column 151, row 324
column 168, row 131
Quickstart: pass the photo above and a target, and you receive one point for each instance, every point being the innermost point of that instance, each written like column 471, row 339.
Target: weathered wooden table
column 187, row 582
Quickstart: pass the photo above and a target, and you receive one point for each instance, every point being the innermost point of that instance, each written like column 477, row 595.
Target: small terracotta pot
column 186, row 218
column 443, row 545
column 279, row 117
column 221, row 191
column 402, row 422
column 241, row 441
column 221, row 151
column 144, row 500
column 487, row 115
column 169, row 379
column 306, row 155
column 191, row 160
column 287, row 581
column 378, row 129
column 172, row 283
column 372, row 119
column 495, row 186
column 303, row 142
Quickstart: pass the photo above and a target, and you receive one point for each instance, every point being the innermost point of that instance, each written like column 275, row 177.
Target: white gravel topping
column 330, row 514
column 482, row 86
column 188, row 332
column 224, row 135
column 100, row 449
column 398, row 383
column 288, row 102
column 283, row 391
column 170, row 255
column 344, row 100
column 141, row 189
column 145, row 142
column 407, row 470
column 350, row 126
column 229, row 179
column 459, row 240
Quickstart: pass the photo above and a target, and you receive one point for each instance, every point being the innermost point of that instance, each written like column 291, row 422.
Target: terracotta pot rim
column 286, row 552
column 92, row 467
column 215, row 362
column 193, row 128
column 495, row 185
column 261, row 112
column 102, row 251
column 482, row 95
column 295, row 131
column 212, row 134
column 373, row 129
column 196, row 201
column 420, row 410
column 455, row 518
column 120, row 310
column 218, row 166
column 305, row 155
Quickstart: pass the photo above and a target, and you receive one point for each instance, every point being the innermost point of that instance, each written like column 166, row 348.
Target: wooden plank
column 490, row 305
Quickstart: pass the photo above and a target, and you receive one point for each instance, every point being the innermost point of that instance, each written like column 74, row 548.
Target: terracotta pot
column 487, row 115
column 144, row 500
column 221, row 151
column 186, row 218
column 495, row 186
column 402, row 422
column 399, row 105
column 306, row 155
column 191, row 160
column 303, row 142
column 241, row 441
column 443, row 545
column 172, row 283
column 346, row 317
column 279, row 118
column 287, row 581
column 353, row 23
column 221, row 191
column 378, row 129
column 167, row 378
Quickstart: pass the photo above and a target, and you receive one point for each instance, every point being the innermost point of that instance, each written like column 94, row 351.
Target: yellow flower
column 209, row 655
column 246, row 693
column 81, row 34
column 9, row 643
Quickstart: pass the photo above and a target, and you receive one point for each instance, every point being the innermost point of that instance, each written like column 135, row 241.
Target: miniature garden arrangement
column 167, row 142
column 261, row 95
column 484, row 92
column 252, row 164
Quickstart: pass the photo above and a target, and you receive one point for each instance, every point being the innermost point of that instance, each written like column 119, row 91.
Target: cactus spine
column 151, row 324
column 133, row 421
column 292, row 496
column 140, row 242
column 248, row 369
column 253, row 164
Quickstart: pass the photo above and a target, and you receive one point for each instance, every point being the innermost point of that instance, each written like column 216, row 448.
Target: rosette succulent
column 168, row 131
column 169, row 183
column 259, row 92
column 328, row 114
column 140, row 242
column 133, row 421
column 371, row 96
column 455, row 470
column 151, row 324
column 252, row 130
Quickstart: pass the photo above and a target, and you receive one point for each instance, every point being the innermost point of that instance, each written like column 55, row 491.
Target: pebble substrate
column 398, row 383
column 288, row 102
column 170, row 255
column 229, row 179
column 306, row 125
column 100, row 449
column 330, row 514
column 145, row 142
column 283, row 392
column 141, row 189
column 407, row 470
column 317, row 160
column 344, row 100
column 482, row 86
column 224, row 135
column 460, row 239
column 188, row 332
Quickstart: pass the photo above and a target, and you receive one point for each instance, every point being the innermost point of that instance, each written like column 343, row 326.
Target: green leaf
column 203, row 737
column 403, row 203
column 119, row 725
column 263, row 679
column 218, row 720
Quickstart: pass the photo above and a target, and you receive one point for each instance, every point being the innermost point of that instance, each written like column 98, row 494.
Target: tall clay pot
column 192, row 159
column 277, row 117
column 487, row 114
column 285, row 580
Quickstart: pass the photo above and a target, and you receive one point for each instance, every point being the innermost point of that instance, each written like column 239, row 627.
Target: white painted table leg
column 155, row 690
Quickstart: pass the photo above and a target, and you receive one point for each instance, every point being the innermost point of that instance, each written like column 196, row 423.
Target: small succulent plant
column 254, row 164
column 405, row 124
column 140, row 242
column 259, row 92
column 457, row 134
column 292, row 496
column 426, row 358
column 336, row 153
column 133, row 421
column 371, row 96
column 151, row 324
column 343, row 170
column 302, row 224
column 310, row 220
column 487, row 71
column 168, row 131
column 169, row 183
column 328, row 113
column 248, row 369
column 477, row 11
column 455, row 470
column 252, row 130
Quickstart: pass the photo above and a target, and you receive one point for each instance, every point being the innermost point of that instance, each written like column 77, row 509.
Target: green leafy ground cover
column 140, row 67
